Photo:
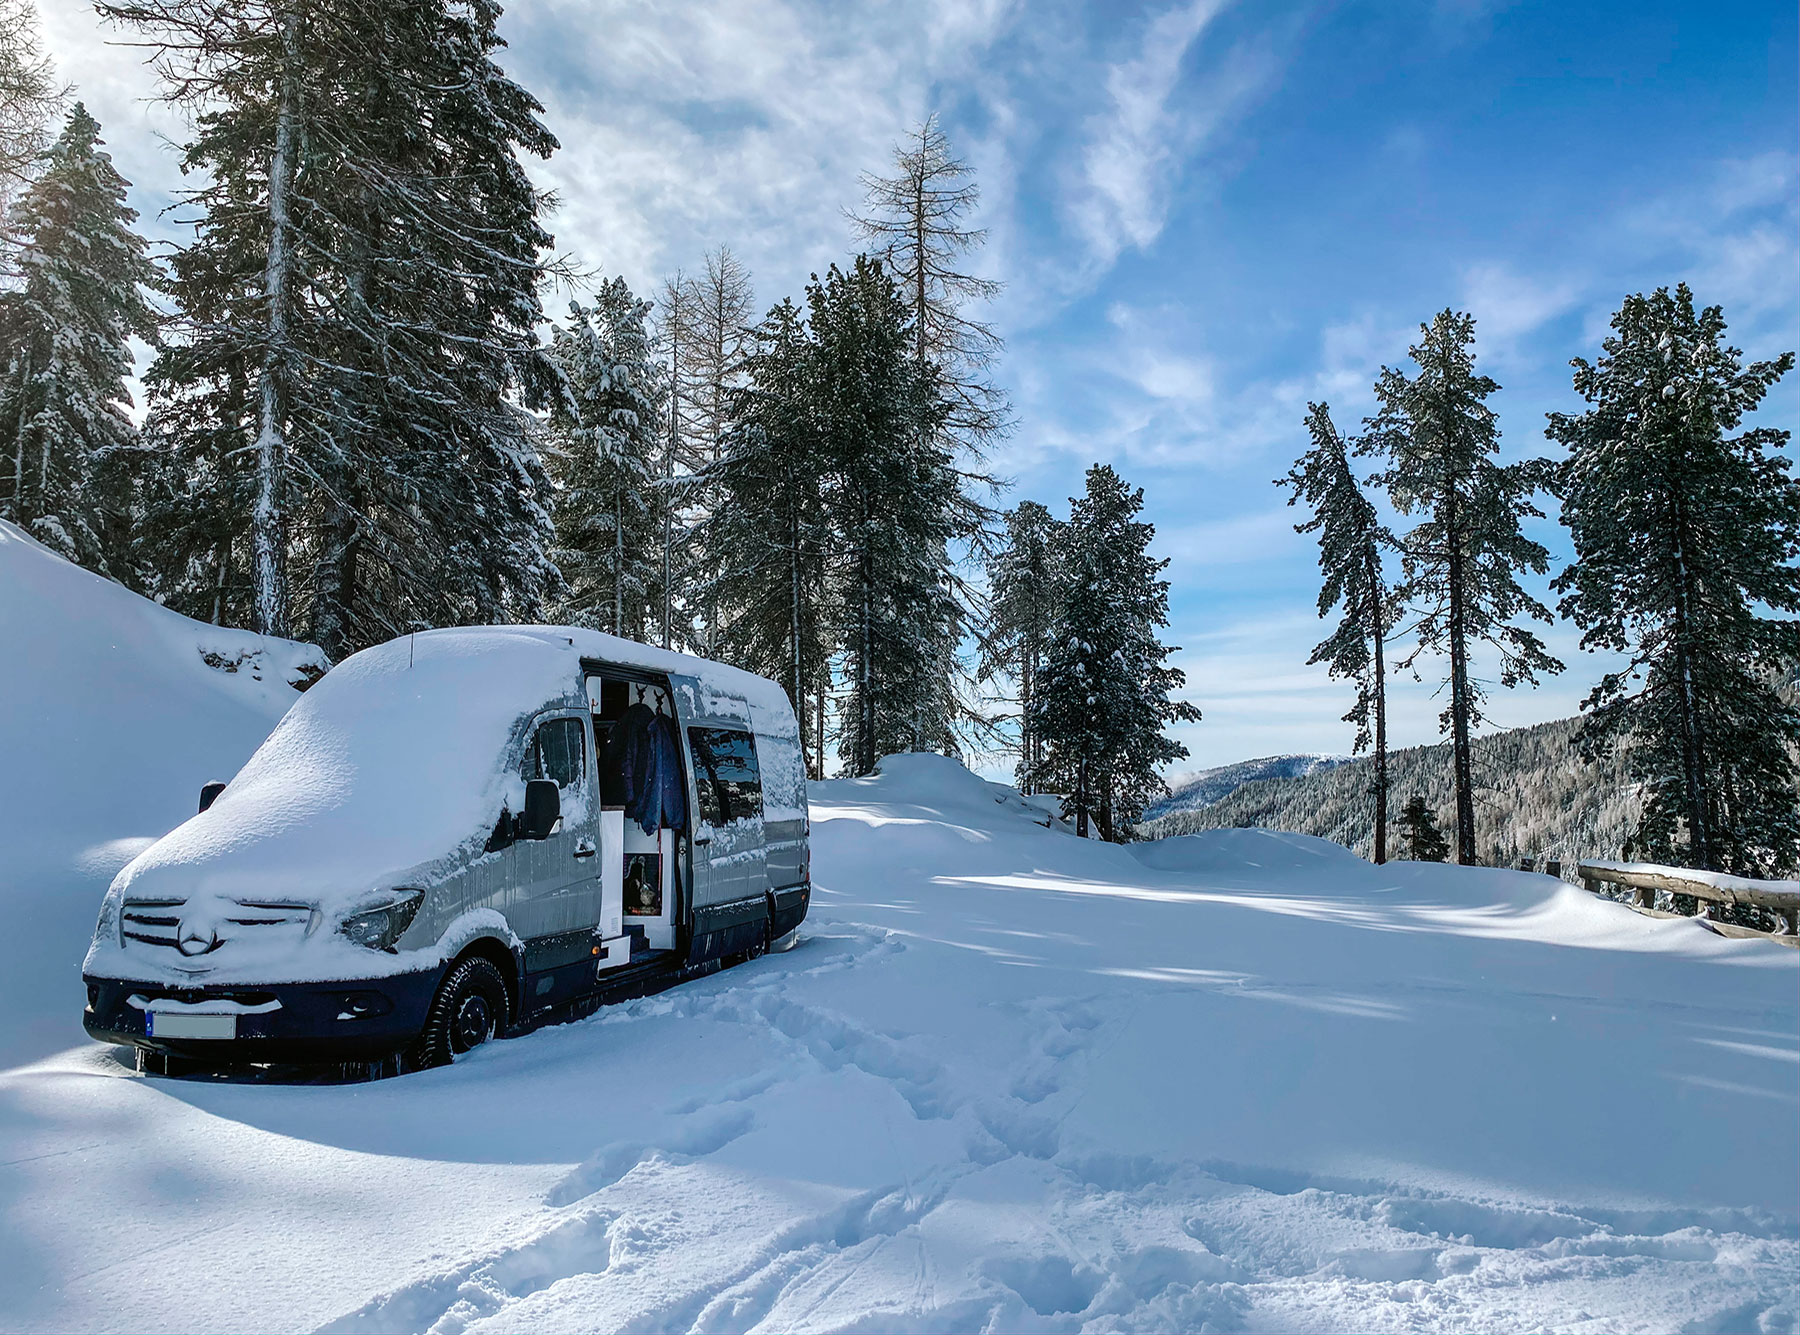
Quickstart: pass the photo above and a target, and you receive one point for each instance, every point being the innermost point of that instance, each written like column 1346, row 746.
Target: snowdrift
column 115, row 712
column 1008, row 1080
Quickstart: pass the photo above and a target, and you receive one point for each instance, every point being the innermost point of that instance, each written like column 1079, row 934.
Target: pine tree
column 1419, row 834
column 1351, row 541
column 359, row 308
column 606, row 439
column 769, row 531
column 1025, row 589
column 1459, row 563
column 718, row 304
column 892, row 500
column 1685, row 535
column 674, row 335
column 917, row 220
column 65, row 333
column 28, row 100
column 1103, row 699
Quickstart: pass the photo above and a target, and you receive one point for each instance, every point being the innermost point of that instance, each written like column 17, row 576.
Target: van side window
column 556, row 752
column 726, row 777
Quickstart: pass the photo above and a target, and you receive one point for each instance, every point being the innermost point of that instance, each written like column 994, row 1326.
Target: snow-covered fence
column 1779, row 897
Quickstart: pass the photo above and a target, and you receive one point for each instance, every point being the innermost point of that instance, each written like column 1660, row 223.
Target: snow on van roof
column 396, row 761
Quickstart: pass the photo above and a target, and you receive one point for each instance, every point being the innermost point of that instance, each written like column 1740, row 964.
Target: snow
column 1007, row 1080
column 110, row 720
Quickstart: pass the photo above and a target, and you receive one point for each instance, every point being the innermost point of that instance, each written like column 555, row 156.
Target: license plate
column 176, row 1024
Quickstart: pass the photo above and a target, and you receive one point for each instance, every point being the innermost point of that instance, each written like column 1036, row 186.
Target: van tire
column 469, row 1009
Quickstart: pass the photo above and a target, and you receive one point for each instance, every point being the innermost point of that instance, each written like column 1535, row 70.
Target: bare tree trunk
column 1081, row 799
column 1378, row 627
column 268, row 520
column 218, row 608
column 1460, row 703
column 794, row 624
column 1693, row 767
column 618, row 582
column 19, row 515
column 1027, row 740
column 865, row 707
column 668, row 608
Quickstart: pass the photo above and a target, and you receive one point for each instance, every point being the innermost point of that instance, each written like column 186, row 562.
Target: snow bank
column 1007, row 1080
column 114, row 712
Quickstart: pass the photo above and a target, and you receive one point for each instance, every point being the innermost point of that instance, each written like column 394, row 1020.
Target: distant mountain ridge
column 1216, row 784
column 1534, row 797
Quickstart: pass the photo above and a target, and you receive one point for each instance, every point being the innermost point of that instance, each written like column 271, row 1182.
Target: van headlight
column 107, row 927
column 380, row 927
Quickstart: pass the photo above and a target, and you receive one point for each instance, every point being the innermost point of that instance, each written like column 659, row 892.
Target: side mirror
column 209, row 793
column 543, row 808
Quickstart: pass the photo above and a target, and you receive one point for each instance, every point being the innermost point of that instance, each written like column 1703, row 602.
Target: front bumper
column 308, row 1022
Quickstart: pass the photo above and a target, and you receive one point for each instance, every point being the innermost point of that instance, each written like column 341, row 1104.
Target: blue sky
column 1205, row 214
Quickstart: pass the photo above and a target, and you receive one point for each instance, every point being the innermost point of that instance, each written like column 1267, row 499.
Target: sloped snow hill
column 1008, row 1080
column 113, row 712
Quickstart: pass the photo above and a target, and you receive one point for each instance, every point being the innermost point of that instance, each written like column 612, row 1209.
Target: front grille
column 158, row 922
column 155, row 922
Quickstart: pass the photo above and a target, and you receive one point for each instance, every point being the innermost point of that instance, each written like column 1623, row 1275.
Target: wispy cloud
column 1509, row 306
column 1139, row 142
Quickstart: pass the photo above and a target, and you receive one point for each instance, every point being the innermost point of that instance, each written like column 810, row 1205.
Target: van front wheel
column 468, row 1010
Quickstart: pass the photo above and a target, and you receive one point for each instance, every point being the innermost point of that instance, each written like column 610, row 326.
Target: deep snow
column 110, row 720
column 1008, row 1080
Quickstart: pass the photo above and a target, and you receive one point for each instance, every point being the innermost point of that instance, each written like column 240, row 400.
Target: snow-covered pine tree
column 65, row 332
column 892, row 500
column 769, row 532
column 1351, row 542
column 28, row 100
column 918, row 220
column 1104, row 694
column 439, row 255
column 1420, row 838
column 231, row 403
column 358, row 314
column 1439, row 438
column 606, row 443
column 1685, row 537
column 1024, row 589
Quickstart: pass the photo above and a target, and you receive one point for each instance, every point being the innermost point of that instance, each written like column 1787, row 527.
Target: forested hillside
column 1535, row 797
column 1213, row 785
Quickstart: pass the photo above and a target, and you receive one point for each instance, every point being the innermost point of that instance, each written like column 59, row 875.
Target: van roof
column 395, row 763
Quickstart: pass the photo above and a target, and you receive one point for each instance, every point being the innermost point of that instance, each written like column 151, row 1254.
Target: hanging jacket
column 672, row 781
column 643, row 769
column 629, row 760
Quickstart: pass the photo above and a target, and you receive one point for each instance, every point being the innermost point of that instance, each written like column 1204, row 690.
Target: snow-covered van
column 454, row 835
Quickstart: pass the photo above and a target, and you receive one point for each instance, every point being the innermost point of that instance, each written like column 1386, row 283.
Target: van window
column 726, row 777
column 556, row 752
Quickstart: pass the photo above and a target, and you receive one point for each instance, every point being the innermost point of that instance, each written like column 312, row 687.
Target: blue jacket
column 643, row 766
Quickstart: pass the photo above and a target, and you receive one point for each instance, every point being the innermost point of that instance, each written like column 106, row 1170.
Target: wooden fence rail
column 1779, row 897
